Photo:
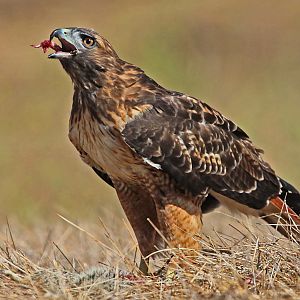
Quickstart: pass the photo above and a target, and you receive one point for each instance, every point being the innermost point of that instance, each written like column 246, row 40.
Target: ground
column 99, row 261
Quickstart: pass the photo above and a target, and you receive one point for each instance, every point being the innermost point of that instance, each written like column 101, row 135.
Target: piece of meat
column 46, row 44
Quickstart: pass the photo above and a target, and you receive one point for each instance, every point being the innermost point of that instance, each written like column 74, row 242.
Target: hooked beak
column 67, row 48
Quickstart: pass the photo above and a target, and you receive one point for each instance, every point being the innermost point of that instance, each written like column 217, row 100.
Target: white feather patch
column 152, row 164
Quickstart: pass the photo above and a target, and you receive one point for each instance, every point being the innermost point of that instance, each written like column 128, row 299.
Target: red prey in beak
column 66, row 49
column 46, row 44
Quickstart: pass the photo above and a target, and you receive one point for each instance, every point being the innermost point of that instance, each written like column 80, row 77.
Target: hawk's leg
column 180, row 217
column 139, row 209
column 181, row 224
column 179, row 213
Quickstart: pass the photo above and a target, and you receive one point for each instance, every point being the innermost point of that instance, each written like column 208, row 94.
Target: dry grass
column 251, row 264
column 241, row 57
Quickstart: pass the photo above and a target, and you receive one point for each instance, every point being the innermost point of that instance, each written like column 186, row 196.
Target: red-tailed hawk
column 169, row 156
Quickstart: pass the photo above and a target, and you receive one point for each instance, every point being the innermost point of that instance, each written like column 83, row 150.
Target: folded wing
column 201, row 150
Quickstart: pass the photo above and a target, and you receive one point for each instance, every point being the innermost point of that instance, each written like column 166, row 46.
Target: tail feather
column 290, row 195
column 280, row 216
column 282, row 211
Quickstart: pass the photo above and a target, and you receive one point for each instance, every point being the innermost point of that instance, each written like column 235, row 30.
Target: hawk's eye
column 88, row 42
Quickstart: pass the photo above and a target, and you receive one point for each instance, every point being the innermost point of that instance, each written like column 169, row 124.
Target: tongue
column 46, row 44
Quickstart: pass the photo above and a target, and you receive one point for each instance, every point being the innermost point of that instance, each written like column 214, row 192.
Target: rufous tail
column 283, row 212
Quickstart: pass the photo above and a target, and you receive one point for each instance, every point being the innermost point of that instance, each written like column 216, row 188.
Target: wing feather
column 201, row 150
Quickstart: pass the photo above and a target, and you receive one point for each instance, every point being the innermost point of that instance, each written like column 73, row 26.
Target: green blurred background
column 242, row 57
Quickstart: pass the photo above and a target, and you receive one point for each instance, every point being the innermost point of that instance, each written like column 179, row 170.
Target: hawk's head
column 82, row 52
column 80, row 43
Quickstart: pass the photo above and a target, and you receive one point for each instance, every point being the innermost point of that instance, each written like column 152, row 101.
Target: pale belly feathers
column 103, row 148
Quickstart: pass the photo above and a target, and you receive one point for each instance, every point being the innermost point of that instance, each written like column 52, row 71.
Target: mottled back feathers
column 201, row 150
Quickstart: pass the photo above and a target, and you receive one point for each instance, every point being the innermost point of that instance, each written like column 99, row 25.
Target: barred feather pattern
column 201, row 150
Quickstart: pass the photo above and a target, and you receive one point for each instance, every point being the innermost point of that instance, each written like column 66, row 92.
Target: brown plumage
column 169, row 156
